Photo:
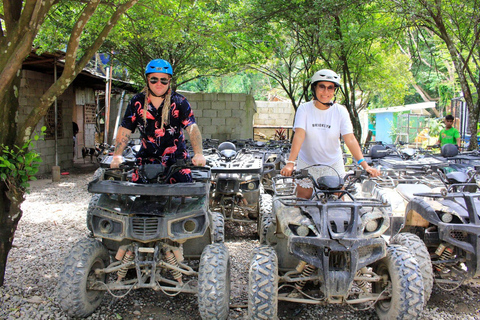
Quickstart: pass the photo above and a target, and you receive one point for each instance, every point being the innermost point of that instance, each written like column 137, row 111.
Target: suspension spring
column 170, row 258
column 446, row 253
column 362, row 284
column 308, row 269
column 128, row 257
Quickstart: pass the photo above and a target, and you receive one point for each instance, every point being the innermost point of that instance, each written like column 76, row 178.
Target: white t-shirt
column 323, row 129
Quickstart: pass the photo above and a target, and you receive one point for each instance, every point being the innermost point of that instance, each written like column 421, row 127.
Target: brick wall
column 272, row 115
column 33, row 85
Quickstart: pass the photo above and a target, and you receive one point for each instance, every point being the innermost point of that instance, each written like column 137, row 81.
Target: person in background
column 161, row 115
column 318, row 126
column 449, row 135
column 75, row 131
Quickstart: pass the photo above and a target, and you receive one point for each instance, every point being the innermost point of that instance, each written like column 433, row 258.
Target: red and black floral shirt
column 160, row 145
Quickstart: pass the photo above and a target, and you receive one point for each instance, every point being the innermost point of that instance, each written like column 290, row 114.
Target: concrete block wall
column 272, row 115
column 33, row 85
column 223, row 116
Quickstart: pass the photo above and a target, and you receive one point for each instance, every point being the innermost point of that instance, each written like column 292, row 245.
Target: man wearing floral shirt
column 162, row 116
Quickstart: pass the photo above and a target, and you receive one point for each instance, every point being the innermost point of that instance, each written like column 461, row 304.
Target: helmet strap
column 328, row 104
column 158, row 96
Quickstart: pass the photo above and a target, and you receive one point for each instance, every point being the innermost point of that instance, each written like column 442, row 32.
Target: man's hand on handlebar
column 199, row 160
column 116, row 162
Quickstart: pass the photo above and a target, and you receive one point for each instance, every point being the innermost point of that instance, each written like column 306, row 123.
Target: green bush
column 18, row 165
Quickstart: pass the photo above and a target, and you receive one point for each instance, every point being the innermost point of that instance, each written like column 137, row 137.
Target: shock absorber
column 307, row 270
column 128, row 257
column 170, row 258
column 362, row 284
column 444, row 253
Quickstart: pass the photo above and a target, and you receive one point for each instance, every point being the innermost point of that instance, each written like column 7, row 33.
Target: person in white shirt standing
column 319, row 124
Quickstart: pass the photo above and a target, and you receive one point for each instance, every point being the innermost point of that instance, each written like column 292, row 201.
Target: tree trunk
column 473, row 117
column 10, row 200
column 9, row 218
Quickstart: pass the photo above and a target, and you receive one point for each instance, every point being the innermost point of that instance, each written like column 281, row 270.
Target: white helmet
column 326, row 75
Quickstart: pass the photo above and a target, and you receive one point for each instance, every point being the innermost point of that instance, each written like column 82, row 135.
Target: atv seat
column 407, row 190
column 378, row 151
column 227, row 150
column 449, row 150
column 227, row 146
column 457, row 177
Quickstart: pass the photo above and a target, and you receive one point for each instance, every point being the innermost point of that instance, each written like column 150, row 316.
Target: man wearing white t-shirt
column 319, row 124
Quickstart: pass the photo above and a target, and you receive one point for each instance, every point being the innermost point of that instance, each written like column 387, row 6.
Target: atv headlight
column 302, row 231
column 447, row 217
column 251, row 185
column 371, row 225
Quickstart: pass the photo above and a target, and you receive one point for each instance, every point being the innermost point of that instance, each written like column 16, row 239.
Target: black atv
column 236, row 189
column 442, row 227
column 142, row 236
column 330, row 250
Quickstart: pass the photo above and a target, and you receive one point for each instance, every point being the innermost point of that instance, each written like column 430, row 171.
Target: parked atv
column 141, row 237
column 236, row 189
column 442, row 227
column 330, row 250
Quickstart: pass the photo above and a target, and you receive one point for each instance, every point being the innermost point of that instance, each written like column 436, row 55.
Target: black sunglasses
column 163, row 81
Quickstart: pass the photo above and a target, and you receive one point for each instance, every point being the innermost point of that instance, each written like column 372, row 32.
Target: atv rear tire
column 401, row 278
column 78, row 273
column 419, row 251
column 263, row 284
column 214, row 282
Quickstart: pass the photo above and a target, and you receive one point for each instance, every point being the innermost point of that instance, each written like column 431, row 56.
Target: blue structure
column 383, row 128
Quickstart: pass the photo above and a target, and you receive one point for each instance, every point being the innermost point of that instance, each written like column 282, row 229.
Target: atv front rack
column 192, row 189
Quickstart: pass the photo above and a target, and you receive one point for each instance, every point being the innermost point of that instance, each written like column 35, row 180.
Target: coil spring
column 170, row 257
column 362, row 284
column 307, row 272
column 447, row 254
column 128, row 257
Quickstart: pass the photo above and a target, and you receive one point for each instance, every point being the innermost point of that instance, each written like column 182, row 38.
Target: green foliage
column 18, row 165
column 435, row 126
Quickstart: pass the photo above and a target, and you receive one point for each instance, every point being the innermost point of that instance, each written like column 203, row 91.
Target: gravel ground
column 54, row 219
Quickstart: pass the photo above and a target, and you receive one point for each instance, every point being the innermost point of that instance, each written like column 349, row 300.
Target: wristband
column 360, row 161
column 289, row 161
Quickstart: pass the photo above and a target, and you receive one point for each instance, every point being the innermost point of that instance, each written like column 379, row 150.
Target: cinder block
column 210, row 96
column 219, row 105
column 210, row 113
column 203, row 121
column 224, row 113
column 232, row 105
column 225, row 96
column 210, row 129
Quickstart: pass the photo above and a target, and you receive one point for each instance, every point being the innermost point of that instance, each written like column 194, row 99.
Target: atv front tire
column 263, row 284
column 402, row 281
column 419, row 251
column 78, row 274
column 214, row 282
column 217, row 227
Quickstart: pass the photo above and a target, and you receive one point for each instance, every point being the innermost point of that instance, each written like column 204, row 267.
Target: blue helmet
column 159, row 65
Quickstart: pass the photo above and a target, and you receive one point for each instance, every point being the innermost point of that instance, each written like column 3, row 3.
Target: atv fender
column 419, row 213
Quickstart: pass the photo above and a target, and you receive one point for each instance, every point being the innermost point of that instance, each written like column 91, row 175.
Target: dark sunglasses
column 322, row 87
column 163, row 81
